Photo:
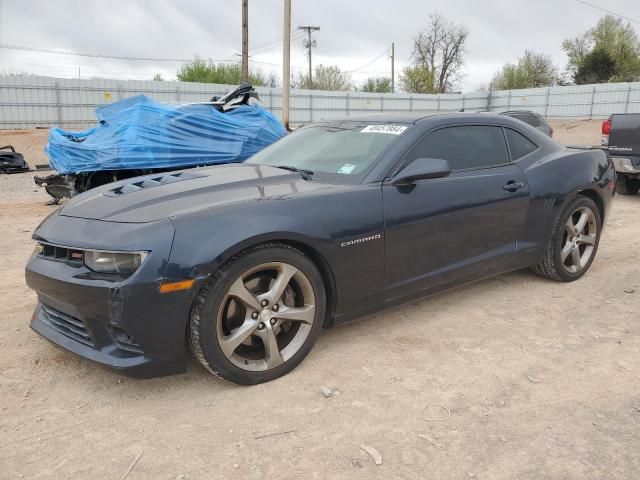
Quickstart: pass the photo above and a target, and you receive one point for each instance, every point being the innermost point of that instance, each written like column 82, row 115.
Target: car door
column 462, row 226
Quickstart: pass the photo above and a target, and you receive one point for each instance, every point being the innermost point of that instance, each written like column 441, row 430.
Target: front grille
column 63, row 254
column 65, row 324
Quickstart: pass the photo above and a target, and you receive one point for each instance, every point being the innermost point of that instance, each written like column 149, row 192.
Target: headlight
column 122, row 263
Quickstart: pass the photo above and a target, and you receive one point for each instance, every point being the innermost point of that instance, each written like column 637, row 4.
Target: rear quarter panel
column 555, row 178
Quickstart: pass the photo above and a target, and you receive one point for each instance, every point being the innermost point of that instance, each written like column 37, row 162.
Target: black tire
column 626, row 185
column 552, row 266
column 204, row 315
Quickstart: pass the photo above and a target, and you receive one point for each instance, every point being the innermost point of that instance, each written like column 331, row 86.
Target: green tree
column 205, row 71
column 597, row 66
column 328, row 77
column 611, row 35
column 530, row 71
column 417, row 79
column 377, row 85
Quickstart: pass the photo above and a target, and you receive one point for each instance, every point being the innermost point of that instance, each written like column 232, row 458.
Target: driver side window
column 464, row 147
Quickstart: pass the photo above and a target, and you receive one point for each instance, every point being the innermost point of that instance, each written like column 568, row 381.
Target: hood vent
column 149, row 182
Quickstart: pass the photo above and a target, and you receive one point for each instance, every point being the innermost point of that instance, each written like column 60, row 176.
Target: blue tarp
column 139, row 133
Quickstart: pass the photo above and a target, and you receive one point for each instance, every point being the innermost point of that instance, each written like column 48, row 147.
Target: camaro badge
column 361, row 240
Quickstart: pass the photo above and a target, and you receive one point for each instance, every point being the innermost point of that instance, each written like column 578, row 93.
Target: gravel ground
column 514, row 377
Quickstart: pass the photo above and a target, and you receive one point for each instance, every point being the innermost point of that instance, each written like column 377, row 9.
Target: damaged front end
column 139, row 136
column 61, row 186
column 12, row 161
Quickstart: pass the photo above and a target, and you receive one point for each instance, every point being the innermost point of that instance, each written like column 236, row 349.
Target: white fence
column 31, row 102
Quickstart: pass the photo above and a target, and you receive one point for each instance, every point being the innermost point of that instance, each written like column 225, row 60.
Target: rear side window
column 528, row 118
column 464, row 147
column 519, row 144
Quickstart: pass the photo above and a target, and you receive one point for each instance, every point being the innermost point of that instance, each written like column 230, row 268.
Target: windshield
column 342, row 152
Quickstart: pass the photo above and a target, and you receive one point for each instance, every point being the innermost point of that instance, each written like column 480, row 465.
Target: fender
column 205, row 240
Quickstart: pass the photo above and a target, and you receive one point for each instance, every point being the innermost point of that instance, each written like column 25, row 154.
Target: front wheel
column 574, row 242
column 259, row 316
column 626, row 185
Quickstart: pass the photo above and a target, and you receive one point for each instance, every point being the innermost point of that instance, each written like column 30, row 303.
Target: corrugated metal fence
column 30, row 101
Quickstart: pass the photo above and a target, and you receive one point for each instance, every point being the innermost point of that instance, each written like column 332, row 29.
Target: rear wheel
column 574, row 242
column 626, row 185
column 259, row 316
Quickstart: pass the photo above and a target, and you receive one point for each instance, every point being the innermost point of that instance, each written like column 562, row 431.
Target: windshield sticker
column 392, row 129
column 347, row 168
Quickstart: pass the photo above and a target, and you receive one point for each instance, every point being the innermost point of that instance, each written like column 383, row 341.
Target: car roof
column 493, row 118
column 391, row 117
column 398, row 117
column 414, row 117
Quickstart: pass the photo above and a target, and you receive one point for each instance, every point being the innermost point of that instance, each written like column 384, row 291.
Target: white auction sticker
column 347, row 168
column 392, row 129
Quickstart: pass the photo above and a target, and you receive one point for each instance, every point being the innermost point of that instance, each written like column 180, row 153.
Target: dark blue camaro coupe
column 247, row 262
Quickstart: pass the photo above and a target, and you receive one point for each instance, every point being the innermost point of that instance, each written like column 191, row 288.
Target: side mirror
column 421, row 169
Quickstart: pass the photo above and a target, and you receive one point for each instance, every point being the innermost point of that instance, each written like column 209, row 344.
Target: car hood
column 163, row 195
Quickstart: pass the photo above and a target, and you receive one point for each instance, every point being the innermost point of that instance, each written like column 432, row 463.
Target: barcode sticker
column 392, row 129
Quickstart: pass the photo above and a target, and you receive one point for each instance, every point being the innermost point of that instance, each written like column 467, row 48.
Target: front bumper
column 63, row 331
column 122, row 323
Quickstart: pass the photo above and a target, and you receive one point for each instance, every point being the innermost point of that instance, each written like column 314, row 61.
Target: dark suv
column 532, row 118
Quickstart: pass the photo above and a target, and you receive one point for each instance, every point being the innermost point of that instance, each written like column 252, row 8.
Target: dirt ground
column 515, row 377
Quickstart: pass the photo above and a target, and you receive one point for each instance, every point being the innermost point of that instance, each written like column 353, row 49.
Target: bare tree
column 272, row 80
column 439, row 49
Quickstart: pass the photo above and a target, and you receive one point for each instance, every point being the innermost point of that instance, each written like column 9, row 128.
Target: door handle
column 513, row 186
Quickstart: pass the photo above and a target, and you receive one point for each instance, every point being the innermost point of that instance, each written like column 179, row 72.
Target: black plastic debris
column 12, row 161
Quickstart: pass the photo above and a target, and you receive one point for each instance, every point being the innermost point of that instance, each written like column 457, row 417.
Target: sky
column 356, row 35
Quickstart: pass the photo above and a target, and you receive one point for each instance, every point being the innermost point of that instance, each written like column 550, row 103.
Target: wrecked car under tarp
column 138, row 136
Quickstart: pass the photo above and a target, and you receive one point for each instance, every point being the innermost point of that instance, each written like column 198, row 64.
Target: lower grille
column 71, row 256
column 65, row 324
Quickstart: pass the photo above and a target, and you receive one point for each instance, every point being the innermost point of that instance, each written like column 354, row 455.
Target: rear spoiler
column 587, row 147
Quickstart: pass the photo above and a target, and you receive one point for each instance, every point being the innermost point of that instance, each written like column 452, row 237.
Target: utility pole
column 308, row 44
column 286, row 58
column 393, row 76
column 245, row 40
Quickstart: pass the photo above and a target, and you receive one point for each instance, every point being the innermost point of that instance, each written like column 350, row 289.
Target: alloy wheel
column 579, row 240
column 266, row 316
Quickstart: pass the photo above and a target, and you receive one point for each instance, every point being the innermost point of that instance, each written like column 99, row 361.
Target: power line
column 607, row 11
column 262, row 47
column 94, row 55
column 298, row 34
column 274, row 43
column 372, row 61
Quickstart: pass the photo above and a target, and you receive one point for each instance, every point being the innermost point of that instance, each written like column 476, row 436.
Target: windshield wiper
column 306, row 174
